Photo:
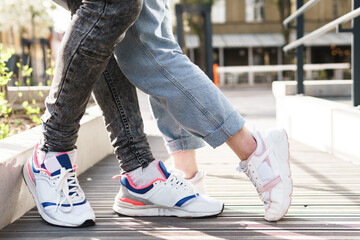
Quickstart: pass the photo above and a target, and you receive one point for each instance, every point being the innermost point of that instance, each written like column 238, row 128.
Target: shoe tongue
column 64, row 160
column 55, row 161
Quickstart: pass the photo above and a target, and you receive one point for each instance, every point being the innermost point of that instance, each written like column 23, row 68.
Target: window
column 335, row 9
column 255, row 10
column 218, row 12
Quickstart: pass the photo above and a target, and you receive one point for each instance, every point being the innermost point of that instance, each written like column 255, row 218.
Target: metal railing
column 300, row 11
column 298, row 44
column 276, row 68
column 235, row 70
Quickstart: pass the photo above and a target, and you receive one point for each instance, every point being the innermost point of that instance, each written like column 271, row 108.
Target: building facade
column 250, row 32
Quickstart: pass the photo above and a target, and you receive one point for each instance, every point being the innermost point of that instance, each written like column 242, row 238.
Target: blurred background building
column 250, row 32
column 245, row 32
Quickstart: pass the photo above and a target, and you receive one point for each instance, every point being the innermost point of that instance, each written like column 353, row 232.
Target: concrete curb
column 319, row 88
column 93, row 144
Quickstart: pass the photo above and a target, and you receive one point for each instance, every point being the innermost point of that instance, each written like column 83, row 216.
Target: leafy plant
column 33, row 113
column 5, row 130
column 30, row 106
column 31, row 109
column 5, row 77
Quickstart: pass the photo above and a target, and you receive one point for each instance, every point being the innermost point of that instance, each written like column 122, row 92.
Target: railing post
column 300, row 50
column 208, row 41
column 356, row 56
column 179, row 24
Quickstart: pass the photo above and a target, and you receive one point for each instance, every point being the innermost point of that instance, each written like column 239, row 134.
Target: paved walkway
column 326, row 199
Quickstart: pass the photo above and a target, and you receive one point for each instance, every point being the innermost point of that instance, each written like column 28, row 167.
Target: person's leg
column 199, row 107
column 86, row 48
column 180, row 144
column 180, row 86
column 118, row 100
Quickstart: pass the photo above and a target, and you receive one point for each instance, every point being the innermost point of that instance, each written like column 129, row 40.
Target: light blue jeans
column 187, row 106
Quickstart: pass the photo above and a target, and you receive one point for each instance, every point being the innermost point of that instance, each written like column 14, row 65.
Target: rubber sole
column 153, row 211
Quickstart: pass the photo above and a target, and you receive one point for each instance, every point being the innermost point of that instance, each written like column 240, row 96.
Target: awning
column 246, row 40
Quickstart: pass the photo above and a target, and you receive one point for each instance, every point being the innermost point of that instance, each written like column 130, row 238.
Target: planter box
column 28, row 94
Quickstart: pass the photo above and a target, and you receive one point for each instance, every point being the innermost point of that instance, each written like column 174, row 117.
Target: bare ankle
column 243, row 144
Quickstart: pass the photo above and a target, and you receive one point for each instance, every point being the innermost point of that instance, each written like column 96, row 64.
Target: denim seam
column 123, row 115
column 75, row 52
column 173, row 81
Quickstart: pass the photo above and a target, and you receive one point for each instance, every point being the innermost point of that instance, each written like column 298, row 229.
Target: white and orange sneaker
column 59, row 199
column 269, row 170
column 170, row 196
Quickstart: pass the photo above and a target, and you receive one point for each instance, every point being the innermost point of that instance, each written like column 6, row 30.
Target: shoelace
column 251, row 174
column 177, row 179
column 198, row 177
column 67, row 185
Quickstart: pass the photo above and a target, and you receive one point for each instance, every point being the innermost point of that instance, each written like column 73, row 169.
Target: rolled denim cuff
column 184, row 144
column 231, row 126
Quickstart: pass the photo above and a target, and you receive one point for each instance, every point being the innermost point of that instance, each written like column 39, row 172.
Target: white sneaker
column 198, row 182
column 56, row 191
column 171, row 196
column 269, row 170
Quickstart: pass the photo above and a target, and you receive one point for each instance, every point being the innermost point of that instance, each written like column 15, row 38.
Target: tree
column 284, row 7
column 30, row 19
column 196, row 24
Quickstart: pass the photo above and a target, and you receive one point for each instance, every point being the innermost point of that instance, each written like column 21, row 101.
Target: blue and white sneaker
column 170, row 196
column 59, row 199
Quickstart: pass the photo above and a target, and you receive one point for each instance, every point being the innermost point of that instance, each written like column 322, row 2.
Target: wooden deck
column 326, row 203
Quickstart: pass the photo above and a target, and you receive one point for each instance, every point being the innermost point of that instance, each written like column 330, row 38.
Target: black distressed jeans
column 86, row 64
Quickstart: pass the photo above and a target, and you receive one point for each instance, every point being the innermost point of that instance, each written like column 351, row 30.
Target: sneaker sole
column 285, row 175
column 151, row 211
column 39, row 207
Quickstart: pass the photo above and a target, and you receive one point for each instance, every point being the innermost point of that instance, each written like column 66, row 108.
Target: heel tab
column 163, row 170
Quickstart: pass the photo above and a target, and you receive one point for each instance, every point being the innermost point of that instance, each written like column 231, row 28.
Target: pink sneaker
column 268, row 168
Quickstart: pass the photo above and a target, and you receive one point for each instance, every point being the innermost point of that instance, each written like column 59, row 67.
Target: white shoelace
column 254, row 178
column 177, row 180
column 251, row 175
column 67, row 185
